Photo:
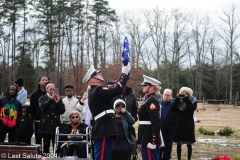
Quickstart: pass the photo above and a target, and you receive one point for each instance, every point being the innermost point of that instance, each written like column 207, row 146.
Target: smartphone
column 55, row 90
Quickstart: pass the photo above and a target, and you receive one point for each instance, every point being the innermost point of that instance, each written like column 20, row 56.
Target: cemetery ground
column 213, row 118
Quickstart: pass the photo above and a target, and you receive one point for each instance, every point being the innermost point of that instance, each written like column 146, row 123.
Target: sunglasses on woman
column 74, row 117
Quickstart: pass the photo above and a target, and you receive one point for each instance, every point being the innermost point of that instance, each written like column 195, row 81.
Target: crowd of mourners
column 108, row 111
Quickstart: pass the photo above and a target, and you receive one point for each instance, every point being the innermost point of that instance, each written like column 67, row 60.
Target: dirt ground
column 208, row 147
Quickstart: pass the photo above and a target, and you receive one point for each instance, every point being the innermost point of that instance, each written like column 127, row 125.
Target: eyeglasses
column 74, row 117
column 167, row 95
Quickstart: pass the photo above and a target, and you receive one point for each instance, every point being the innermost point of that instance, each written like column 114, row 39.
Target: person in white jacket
column 22, row 92
column 70, row 102
column 83, row 108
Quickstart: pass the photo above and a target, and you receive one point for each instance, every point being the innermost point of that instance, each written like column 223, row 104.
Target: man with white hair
column 167, row 122
column 104, row 129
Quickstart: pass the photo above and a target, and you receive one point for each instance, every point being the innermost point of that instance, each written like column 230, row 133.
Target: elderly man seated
column 75, row 128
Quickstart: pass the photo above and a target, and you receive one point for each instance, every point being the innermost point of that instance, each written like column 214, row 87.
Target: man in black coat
column 36, row 112
column 104, row 129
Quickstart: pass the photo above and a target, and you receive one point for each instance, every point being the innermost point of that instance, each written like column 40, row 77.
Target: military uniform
column 99, row 101
column 149, row 113
column 104, row 128
column 149, row 124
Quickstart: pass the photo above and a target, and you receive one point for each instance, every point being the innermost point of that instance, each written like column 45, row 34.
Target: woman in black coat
column 52, row 107
column 183, row 132
column 125, row 144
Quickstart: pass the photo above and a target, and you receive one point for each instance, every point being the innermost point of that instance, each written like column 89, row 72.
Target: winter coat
column 167, row 116
column 127, row 121
column 10, row 109
column 36, row 112
column 24, row 128
column 183, row 130
column 67, row 129
column 51, row 114
column 130, row 100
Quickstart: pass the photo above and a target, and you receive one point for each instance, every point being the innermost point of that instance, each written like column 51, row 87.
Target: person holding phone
column 52, row 107
column 183, row 131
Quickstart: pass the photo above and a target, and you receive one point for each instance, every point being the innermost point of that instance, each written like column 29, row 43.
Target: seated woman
column 75, row 128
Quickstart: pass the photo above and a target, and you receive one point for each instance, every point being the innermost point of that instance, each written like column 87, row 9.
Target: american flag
column 125, row 52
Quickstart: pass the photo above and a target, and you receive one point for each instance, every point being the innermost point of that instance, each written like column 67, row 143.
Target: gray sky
column 200, row 5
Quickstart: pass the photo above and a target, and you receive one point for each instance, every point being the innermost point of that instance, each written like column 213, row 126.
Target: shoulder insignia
column 105, row 88
column 152, row 107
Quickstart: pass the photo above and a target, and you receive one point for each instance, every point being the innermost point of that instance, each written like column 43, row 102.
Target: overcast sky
column 200, row 5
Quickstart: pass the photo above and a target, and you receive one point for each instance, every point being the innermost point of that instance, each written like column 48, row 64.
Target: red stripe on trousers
column 103, row 147
column 149, row 154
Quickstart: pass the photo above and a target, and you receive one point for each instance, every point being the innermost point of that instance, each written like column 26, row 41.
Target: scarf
column 74, row 128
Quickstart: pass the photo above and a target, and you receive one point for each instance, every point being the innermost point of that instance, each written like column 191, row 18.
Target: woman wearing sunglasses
column 52, row 107
column 75, row 128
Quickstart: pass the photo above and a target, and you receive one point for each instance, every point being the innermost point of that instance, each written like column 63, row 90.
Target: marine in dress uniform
column 149, row 120
column 104, row 129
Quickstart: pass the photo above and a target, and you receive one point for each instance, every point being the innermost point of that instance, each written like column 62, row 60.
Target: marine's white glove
column 151, row 146
column 126, row 69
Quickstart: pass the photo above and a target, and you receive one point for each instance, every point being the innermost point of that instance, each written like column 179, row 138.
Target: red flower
column 221, row 158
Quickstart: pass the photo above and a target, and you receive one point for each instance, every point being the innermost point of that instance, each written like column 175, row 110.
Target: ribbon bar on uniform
column 103, row 113
column 145, row 122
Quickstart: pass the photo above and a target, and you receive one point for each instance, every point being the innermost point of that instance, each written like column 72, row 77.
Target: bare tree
column 157, row 22
column 229, row 34
column 200, row 27
column 178, row 45
column 134, row 27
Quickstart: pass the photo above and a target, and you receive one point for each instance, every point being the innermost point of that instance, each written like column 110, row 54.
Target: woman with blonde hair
column 149, row 120
column 183, row 131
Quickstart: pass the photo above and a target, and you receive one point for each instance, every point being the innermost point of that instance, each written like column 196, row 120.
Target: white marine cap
column 90, row 73
column 150, row 81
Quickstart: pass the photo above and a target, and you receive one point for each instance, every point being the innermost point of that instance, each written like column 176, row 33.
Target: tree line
column 62, row 38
